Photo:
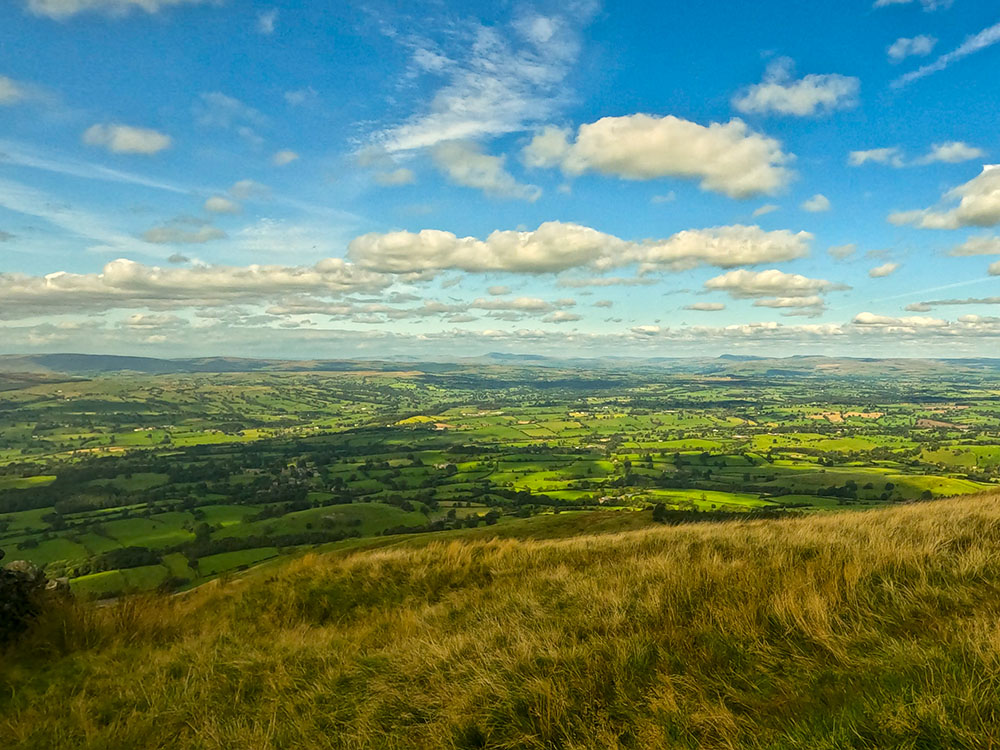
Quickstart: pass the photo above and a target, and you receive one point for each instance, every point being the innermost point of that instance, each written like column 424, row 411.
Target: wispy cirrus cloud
column 975, row 43
column 496, row 80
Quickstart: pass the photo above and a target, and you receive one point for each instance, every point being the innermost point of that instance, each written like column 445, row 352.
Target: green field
column 128, row 482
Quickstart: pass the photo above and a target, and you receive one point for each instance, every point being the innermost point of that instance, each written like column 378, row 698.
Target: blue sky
column 191, row 177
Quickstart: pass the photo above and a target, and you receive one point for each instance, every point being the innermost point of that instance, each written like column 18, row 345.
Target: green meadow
column 127, row 482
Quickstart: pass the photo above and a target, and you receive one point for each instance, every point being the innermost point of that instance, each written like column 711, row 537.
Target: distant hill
column 727, row 364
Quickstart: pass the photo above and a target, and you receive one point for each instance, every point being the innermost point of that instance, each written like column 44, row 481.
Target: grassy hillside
column 849, row 630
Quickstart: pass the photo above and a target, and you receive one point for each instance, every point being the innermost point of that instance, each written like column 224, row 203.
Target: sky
column 440, row 179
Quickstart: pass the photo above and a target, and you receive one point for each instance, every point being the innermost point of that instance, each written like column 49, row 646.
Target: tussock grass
column 851, row 630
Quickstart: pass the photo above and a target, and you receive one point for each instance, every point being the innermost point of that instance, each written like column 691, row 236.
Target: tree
column 659, row 513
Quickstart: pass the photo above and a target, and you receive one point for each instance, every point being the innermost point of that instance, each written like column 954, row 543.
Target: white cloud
column 63, row 9
column 891, row 156
column 727, row 158
column 396, row 177
column 124, row 139
column 561, row 316
column 217, row 204
column 706, row 306
column 812, row 95
column 126, row 284
column 508, row 79
column 742, row 284
column 466, row 164
column 915, row 322
column 918, row 46
column 886, row 269
column 985, row 38
column 951, row 152
column 498, row 291
column 979, row 205
column 817, row 204
column 813, row 300
column 10, row 91
column 994, row 269
column 840, row 252
column 766, row 209
column 283, row 157
column 557, row 246
column 266, row 20
column 722, row 247
column 986, row 245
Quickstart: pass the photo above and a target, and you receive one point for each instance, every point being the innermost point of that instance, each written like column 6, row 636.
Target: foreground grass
column 851, row 630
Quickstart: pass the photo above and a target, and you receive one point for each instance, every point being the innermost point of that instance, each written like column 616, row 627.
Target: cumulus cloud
column 126, row 284
column 994, row 269
column 124, row 139
column 722, row 247
column 781, row 93
column 557, row 246
column 744, row 284
column 561, row 316
column 465, row 163
column 218, row 204
column 817, row 204
column 283, row 157
column 63, row 9
column 911, row 323
column 917, row 46
column 951, row 152
column 396, row 177
column 498, row 291
column 727, row 158
column 975, row 43
column 985, row 245
column 891, row 156
column 979, row 205
column 706, row 306
column 886, row 269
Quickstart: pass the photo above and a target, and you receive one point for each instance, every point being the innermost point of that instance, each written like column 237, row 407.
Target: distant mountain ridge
column 727, row 364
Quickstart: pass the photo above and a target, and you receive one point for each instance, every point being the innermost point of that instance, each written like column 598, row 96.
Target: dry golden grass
column 849, row 630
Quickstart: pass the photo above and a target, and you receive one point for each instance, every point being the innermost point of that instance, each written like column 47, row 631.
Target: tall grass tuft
column 850, row 630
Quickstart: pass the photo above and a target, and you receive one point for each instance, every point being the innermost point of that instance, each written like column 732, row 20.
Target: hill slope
column 851, row 630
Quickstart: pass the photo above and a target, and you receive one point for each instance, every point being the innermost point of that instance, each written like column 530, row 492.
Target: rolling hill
column 847, row 630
